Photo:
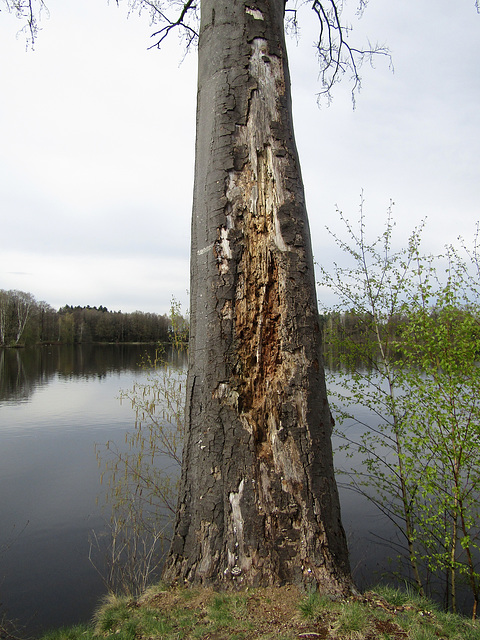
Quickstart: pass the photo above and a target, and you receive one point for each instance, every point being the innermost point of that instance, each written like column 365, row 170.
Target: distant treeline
column 360, row 326
column 25, row 321
column 345, row 329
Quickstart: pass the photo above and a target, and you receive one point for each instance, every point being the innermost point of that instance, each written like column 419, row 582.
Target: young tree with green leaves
column 414, row 366
column 441, row 363
column 373, row 286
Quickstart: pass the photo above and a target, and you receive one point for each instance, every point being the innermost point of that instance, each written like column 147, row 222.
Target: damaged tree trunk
column 258, row 501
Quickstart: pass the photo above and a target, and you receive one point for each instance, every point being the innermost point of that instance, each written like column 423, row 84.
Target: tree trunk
column 258, row 501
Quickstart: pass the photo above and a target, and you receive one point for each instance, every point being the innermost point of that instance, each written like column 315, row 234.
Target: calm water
column 56, row 403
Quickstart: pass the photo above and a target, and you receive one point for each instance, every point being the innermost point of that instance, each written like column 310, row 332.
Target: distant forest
column 25, row 321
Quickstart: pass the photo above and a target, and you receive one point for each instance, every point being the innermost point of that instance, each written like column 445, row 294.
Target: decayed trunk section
column 258, row 500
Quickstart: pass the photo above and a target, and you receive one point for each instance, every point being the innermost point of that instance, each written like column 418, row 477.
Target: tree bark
column 258, row 501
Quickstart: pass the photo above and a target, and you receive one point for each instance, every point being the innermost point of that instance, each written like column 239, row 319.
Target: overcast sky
column 97, row 141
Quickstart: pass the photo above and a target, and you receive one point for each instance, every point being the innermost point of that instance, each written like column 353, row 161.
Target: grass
column 353, row 621
column 313, row 605
column 269, row 614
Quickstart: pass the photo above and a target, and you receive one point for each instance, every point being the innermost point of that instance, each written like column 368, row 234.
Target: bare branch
column 336, row 55
column 190, row 33
column 30, row 12
column 179, row 15
column 291, row 21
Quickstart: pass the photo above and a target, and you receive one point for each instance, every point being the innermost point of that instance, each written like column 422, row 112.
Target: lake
column 56, row 403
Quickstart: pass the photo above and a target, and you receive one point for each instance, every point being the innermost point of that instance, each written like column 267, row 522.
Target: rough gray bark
column 258, row 500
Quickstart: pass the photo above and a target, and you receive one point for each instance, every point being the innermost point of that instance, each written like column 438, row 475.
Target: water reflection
column 23, row 370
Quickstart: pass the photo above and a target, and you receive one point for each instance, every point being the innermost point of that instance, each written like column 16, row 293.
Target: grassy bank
column 269, row 614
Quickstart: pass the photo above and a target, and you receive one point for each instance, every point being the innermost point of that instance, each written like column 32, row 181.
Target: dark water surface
column 56, row 403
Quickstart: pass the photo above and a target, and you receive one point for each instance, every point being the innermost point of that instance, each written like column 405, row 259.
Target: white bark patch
column 227, row 310
column 255, row 13
column 201, row 252
column 216, row 473
column 268, row 70
column 227, row 252
column 228, row 395
column 233, row 191
column 237, row 518
column 267, row 166
column 279, row 241
column 222, row 389
column 223, row 252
